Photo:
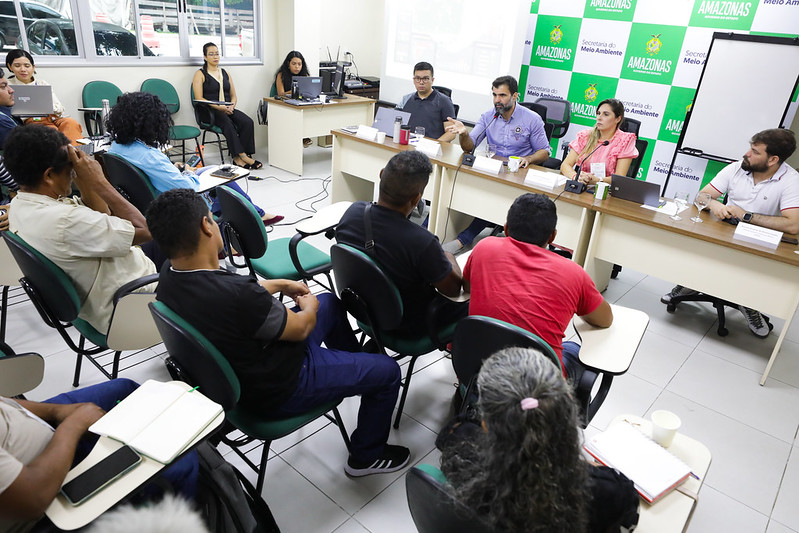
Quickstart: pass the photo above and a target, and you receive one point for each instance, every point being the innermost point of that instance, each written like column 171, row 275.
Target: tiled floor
column 682, row 365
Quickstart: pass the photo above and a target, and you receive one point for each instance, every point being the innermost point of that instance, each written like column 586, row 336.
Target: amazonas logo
column 728, row 14
column 610, row 9
column 585, row 91
column 652, row 53
column 555, row 42
column 591, row 93
column 556, row 35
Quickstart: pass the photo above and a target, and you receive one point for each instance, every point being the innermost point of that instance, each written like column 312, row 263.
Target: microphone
column 468, row 158
column 574, row 184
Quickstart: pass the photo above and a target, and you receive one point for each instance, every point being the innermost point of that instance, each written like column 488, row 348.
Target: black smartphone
column 193, row 160
column 789, row 240
column 95, row 478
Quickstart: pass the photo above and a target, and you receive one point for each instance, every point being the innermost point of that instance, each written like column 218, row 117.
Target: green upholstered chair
column 93, row 95
column 56, row 299
column 198, row 362
column 287, row 258
column 207, row 123
column 370, row 296
column 169, row 96
column 130, row 181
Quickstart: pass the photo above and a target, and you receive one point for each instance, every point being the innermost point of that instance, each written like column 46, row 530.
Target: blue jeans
column 468, row 235
column 216, row 207
column 571, row 361
column 335, row 372
column 182, row 474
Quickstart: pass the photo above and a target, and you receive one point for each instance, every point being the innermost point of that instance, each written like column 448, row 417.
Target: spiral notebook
column 653, row 469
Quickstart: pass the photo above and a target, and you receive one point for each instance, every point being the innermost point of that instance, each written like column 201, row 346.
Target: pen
column 197, row 387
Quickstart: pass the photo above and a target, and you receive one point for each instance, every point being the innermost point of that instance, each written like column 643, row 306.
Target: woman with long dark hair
column 293, row 65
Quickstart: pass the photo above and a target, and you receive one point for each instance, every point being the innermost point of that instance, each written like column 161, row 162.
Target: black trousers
column 238, row 129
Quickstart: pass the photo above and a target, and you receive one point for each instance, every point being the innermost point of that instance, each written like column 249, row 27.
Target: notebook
column 158, row 419
column 384, row 120
column 32, row 100
column 638, row 191
column 653, row 470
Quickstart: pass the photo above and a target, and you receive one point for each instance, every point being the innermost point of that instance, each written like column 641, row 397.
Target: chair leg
column 115, row 367
column 3, row 313
column 200, row 152
column 340, row 423
column 76, row 379
column 259, row 485
column 405, row 388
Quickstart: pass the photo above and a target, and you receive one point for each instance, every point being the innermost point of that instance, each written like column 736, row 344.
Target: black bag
column 227, row 501
column 614, row 501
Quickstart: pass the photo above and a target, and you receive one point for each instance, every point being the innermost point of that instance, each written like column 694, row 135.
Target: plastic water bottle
column 104, row 115
column 397, row 128
column 295, row 90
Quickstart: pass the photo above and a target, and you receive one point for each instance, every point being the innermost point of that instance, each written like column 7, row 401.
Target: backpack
column 227, row 500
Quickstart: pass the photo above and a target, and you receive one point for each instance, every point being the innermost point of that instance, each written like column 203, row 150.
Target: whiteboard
column 746, row 85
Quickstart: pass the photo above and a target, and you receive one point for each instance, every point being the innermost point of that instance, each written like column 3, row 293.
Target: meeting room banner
column 647, row 53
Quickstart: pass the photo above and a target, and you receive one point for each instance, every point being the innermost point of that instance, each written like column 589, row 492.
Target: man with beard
column 511, row 129
column 761, row 189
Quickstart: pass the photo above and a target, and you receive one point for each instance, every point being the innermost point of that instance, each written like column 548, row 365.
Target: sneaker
column 394, row 458
column 454, row 246
column 679, row 290
column 755, row 321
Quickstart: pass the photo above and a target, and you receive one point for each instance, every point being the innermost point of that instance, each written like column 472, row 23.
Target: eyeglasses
column 421, row 80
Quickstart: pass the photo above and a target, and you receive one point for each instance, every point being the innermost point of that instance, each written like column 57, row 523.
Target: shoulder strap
column 369, row 244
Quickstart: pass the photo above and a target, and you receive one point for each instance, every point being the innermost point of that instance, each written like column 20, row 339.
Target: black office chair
column 559, row 114
column 537, row 108
column 56, row 299
column 131, row 182
column 207, row 123
column 630, row 125
column 433, row 508
column 478, row 337
column 374, row 300
column 635, row 164
column 443, row 90
column 192, row 358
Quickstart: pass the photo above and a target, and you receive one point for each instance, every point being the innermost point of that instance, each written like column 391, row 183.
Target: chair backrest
column 243, row 219
column 200, row 360
column 559, row 113
column 443, row 90
column 202, row 113
column 478, row 337
column 457, row 108
column 95, row 92
column 537, row 108
column 50, row 284
column 130, row 181
column 630, row 125
column 635, row 164
column 433, row 508
column 165, row 92
column 366, row 291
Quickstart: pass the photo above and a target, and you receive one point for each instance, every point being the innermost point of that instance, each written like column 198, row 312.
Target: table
column 672, row 512
column 612, row 349
column 208, row 182
column 289, row 124
column 68, row 517
column 703, row 256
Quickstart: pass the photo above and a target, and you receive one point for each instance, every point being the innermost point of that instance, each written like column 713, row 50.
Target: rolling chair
column 130, row 181
column 542, row 112
column 207, row 123
column 374, row 300
column 287, row 258
column 478, row 337
column 192, row 358
column 169, row 96
column 433, row 508
column 56, row 299
column 443, row 90
column 559, row 113
column 635, row 165
column 630, row 125
column 93, row 95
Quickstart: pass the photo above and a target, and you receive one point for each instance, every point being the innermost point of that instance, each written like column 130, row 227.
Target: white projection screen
column 746, row 86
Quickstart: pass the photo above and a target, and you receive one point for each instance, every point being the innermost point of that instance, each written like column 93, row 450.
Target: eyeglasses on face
column 421, row 80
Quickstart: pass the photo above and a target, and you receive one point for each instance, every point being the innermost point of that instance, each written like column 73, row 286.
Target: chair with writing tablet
column 19, row 373
column 92, row 97
column 129, row 180
column 192, row 358
column 166, row 92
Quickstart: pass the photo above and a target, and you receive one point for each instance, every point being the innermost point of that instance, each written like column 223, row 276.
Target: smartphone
column 789, row 240
column 193, row 160
column 95, row 478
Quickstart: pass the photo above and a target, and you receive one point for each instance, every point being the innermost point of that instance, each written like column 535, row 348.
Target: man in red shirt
column 518, row 280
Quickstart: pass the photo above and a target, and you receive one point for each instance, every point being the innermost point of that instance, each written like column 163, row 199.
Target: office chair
column 537, row 108
column 478, row 337
column 130, row 181
column 630, row 125
column 287, row 258
column 56, row 299
column 169, row 96
column 446, row 91
column 374, row 300
column 192, row 358
column 635, row 164
column 93, row 95
column 10, row 275
column 19, row 373
column 559, row 114
column 433, row 508
column 207, row 123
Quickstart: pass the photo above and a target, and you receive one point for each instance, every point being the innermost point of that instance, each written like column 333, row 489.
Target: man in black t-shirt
column 409, row 254
column 274, row 351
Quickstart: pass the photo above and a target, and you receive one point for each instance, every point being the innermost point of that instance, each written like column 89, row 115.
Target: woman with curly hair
column 20, row 62
column 524, row 471
column 139, row 126
column 617, row 155
column 214, row 83
column 293, row 65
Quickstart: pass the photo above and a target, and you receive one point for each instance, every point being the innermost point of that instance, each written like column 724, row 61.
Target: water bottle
column 295, row 90
column 397, row 128
column 104, row 115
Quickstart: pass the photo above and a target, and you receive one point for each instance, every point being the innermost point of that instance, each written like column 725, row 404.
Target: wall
column 356, row 25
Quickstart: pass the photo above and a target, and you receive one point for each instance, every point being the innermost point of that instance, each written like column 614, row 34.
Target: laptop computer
column 309, row 88
column 32, row 100
column 634, row 190
column 384, row 120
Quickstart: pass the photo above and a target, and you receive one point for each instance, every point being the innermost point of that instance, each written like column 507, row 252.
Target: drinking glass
column 681, row 199
column 418, row 133
column 701, row 201
column 491, row 150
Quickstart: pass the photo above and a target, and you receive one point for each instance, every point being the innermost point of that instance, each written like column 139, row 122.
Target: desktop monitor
column 337, row 83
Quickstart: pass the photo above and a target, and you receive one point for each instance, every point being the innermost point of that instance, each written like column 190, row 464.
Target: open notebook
column 158, row 419
column 653, row 470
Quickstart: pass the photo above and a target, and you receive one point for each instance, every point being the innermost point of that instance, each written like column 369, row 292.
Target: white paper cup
column 664, row 427
column 323, row 98
column 514, row 162
column 381, row 137
column 601, row 192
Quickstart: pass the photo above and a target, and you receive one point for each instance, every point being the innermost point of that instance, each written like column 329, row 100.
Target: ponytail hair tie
column 529, row 403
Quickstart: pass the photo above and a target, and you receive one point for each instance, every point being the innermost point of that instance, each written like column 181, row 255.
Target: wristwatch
column 747, row 217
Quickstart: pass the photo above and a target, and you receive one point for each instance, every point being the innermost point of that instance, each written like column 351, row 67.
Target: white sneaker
column 756, row 322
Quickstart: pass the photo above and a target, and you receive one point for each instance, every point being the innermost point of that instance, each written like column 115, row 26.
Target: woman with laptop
column 21, row 64
column 293, row 65
column 603, row 149
column 214, row 84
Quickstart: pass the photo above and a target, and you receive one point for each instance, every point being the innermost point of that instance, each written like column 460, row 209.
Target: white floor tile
column 658, row 359
column 352, row 526
column 628, row 395
column 776, row 527
column 616, row 289
column 716, row 512
column 785, row 510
